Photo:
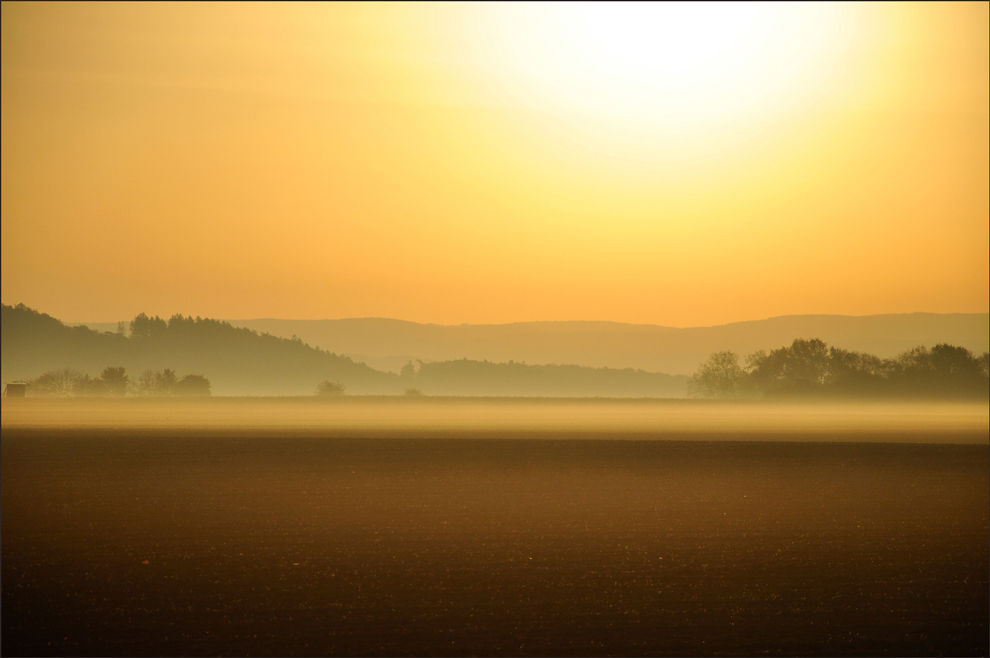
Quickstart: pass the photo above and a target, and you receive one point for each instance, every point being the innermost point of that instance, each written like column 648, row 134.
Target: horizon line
column 522, row 322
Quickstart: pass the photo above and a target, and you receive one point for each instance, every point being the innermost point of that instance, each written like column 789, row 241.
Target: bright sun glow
column 658, row 64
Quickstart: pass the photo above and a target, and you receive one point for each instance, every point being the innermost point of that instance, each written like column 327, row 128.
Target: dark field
column 144, row 542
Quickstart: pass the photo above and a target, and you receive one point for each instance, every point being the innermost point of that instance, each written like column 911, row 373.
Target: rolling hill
column 388, row 344
column 242, row 361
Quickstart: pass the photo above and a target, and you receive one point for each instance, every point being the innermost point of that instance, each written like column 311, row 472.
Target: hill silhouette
column 237, row 361
column 389, row 344
column 240, row 361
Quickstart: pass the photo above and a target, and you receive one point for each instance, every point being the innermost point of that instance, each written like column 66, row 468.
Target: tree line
column 813, row 368
column 114, row 382
column 243, row 362
column 237, row 361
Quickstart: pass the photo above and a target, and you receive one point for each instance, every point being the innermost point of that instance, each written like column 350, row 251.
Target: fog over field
column 520, row 417
column 495, row 329
column 388, row 526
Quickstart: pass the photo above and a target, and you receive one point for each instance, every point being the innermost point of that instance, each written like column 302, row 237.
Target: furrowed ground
column 304, row 540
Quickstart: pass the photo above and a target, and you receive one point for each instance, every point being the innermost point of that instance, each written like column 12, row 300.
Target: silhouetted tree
column 810, row 366
column 115, row 381
column 143, row 327
column 55, row 383
column 88, row 387
column 327, row 388
column 156, row 384
column 145, row 384
column 165, row 384
column 949, row 361
column 802, row 366
column 718, row 377
column 408, row 372
column 191, row 385
column 856, row 373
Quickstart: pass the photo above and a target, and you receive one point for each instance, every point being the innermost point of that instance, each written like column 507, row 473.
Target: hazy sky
column 677, row 165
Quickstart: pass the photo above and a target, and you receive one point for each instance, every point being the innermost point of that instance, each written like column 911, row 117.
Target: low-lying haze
column 519, row 418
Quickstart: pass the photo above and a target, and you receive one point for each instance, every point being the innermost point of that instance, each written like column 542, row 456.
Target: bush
column 192, row 385
column 328, row 388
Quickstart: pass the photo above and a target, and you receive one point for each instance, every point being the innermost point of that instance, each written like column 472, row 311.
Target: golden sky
column 671, row 164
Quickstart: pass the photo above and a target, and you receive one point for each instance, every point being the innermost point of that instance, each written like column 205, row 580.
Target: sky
column 682, row 165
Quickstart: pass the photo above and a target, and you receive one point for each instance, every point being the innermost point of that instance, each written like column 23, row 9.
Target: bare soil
column 184, row 542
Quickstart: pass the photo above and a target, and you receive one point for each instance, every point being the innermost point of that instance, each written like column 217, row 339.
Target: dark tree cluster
column 811, row 367
column 114, row 382
column 330, row 389
column 167, row 384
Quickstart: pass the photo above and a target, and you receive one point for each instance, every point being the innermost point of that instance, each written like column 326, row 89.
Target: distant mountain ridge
column 241, row 361
column 388, row 344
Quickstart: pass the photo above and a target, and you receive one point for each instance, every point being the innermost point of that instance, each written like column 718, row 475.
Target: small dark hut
column 14, row 390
